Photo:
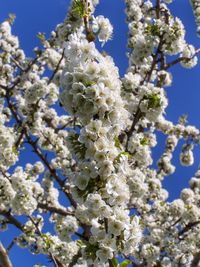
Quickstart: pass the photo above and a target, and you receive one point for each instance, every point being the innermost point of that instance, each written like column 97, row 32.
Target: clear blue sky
column 35, row 16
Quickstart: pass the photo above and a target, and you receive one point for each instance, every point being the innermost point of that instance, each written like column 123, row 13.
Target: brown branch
column 147, row 78
column 4, row 258
column 158, row 9
column 20, row 226
column 188, row 227
column 110, row 263
column 178, row 60
column 65, row 189
column 64, row 126
column 17, row 64
column 159, row 49
column 174, row 62
column 90, row 36
column 18, row 142
column 12, row 220
column 196, row 259
column 11, row 245
column 18, row 80
column 57, row 67
column 106, row 224
column 5, row 175
column 59, row 211
column 36, row 149
column 137, row 117
column 157, row 264
column 4, row 87
column 75, row 259
column 55, row 261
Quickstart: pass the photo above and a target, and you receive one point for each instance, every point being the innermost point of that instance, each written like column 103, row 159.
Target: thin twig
column 196, row 259
column 57, row 67
column 59, row 211
column 188, row 227
column 178, row 60
column 75, row 259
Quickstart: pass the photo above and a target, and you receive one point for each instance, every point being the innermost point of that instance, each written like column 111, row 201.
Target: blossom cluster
column 196, row 9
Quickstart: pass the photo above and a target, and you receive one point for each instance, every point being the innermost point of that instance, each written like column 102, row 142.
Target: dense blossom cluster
column 96, row 176
column 196, row 9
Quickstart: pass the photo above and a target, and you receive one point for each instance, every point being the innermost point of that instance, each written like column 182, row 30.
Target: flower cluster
column 8, row 151
column 103, row 28
column 196, row 9
column 91, row 91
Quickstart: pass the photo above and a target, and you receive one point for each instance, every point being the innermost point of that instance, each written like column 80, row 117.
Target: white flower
column 104, row 254
column 115, row 227
column 187, row 195
column 102, row 27
column 150, row 252
column 5, row 28
column 94, row 202
column 7, row 192
column 131, row 81
column 189, row 53
column 187, row 158
column 66, row 227
column 176, row 208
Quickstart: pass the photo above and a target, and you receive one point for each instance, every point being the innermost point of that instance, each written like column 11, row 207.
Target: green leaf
column 80, row 243
column 91, row 250
column 144, row 141
column 125, row 263
column 14, row 150
column 88, row 83
column 78, row 148
column 11, row 18
column 153, row 101
column 41, row 36
column 162, row 203
column 117, row 159
column 183, row 119
column 152, row 30
column 117, row 143
column 47, row 240
column 114, row 262
column 126, row 154
column 78, row 7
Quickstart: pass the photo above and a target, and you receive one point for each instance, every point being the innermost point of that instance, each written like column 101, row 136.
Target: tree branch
column 36, row 149
column 75, row 259
column 4, row 258
column 188, row 227
column 60, row 211
column 53, row 172
column 196, row 259
column 178, row 60
column 137, row 117
column 57, row 67
column 158, row 9
column 11, row 219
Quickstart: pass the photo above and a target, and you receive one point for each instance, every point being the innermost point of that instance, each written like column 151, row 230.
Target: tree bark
column 4, row 258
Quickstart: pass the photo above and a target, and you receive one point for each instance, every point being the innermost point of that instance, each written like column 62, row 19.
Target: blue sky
column 35, row 16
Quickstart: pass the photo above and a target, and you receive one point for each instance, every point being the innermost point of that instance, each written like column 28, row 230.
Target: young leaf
column 11, row 18
column 78, row 7
column 125, row 263
column 114, row 262
column 153, row 101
